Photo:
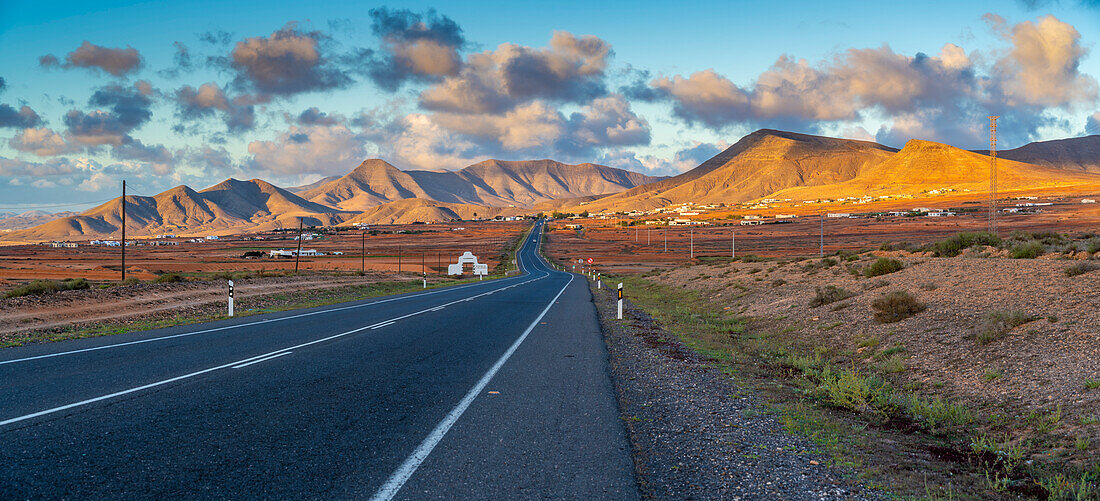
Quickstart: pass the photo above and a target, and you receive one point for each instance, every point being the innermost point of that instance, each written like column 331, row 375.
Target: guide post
column 230, row 298
column 620, row 300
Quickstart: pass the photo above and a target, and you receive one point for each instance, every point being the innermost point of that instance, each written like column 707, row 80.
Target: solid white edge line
column 277, row 355
column 235, row 326
column 238, row 362
column 405, row 471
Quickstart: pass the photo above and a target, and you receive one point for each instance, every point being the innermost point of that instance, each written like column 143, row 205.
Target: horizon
column 189, row 99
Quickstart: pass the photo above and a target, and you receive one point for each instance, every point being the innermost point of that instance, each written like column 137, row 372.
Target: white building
column 294, row 252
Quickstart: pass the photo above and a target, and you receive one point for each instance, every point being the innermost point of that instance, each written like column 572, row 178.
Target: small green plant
column 1092, row 384
column 1005, row 454
column 997, row 324
column 896, row 306
column 168, row 278
column 1060, row 487
column 893, row 365
column 1045, row 422
column 936, row 412
column 1080, row 269
column 1028, row 250
column 883, row 266
column 829, row 294
column 1082, row 443
column 951, row 247
column 991, row 375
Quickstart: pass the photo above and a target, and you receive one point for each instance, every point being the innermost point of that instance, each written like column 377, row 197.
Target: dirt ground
column 120, row 304
column 427, row 247
column 1041, row 364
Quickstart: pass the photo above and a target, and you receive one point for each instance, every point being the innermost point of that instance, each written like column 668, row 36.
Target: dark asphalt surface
column 339, row 408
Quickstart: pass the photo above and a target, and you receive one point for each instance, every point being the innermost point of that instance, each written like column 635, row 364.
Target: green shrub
column 829, row 294
column 1080, row 269
column 951, row 247
column 1028, row 250
column 39, row 287
column 997, row 324
column 848, row 389
column 168, row 278
column 883, row 266
column 896, row 306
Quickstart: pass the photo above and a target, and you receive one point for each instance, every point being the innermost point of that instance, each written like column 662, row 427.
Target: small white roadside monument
column 467, row 258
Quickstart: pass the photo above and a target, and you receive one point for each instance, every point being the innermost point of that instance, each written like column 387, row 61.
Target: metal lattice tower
column 993, row 173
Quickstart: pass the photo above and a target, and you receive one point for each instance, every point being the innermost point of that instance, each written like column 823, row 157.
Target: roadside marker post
column 620, row 300
column 231, row 298
column 599, row 281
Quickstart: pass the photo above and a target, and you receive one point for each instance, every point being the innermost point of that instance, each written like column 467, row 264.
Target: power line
column 57, row 205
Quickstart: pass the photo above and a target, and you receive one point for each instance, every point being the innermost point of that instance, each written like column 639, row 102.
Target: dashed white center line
column 277, row 355
column 384, row 324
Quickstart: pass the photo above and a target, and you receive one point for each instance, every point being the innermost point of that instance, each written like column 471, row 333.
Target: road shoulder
column 697, row 434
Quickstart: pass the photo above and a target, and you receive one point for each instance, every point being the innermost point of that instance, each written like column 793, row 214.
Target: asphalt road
column 494, row 390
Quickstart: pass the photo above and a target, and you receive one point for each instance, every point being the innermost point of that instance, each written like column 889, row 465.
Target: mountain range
column 765, row 163
column 777, row 164
column 374, row 192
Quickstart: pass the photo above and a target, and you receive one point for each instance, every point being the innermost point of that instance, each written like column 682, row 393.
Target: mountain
column 306, row 187
column 1077, row 153
column 231, row 205
column 925, row 165
column 758, row 165
column 11, row 221
column 419, row 210
column 491, row 183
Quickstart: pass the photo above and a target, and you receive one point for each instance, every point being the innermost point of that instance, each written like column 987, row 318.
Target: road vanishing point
column 493, row 390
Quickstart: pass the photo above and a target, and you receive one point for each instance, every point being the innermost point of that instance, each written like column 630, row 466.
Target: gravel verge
column 696, row 433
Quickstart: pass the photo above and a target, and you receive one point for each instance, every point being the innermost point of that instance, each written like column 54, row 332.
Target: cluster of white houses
column 294, row 252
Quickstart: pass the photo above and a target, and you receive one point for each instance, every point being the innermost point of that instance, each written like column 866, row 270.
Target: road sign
column 589, row 260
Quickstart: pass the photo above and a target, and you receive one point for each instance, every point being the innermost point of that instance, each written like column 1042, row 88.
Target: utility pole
column 298, row 255
column 733, row 244
column 666, row 238
column 399, row 259
column 691, row 232
column 363, row 252
column 993, row 174
column 648, row 235
column 123, row 229
column 822, row 216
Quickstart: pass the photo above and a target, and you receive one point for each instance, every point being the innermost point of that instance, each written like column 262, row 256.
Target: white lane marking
column 381, row 325
column 437, row 308
column 399, row 477
column 231, row 364
column 235, row 326
column 277, row 355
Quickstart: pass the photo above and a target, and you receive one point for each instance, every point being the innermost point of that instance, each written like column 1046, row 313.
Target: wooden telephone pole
column 123, row 230
column 993, row 174
column 298, row 255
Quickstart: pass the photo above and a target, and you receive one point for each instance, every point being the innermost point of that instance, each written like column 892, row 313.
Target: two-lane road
column 498, row 389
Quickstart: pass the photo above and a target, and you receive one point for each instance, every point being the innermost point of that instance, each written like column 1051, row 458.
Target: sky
column 168, row 93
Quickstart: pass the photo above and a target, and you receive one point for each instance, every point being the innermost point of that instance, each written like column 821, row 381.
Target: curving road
column 498, row 389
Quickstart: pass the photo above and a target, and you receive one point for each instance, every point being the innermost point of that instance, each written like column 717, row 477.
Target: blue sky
column 650, row 86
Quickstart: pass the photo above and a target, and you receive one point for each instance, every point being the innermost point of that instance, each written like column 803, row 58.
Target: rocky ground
column 1040, row 365
column 696, row 433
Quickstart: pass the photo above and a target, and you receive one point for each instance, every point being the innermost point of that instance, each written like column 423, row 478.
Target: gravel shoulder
column 696, row 433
